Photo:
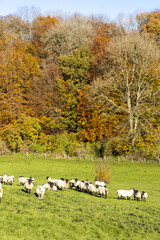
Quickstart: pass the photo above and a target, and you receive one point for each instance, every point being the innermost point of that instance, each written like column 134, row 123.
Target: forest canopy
column 71, row 85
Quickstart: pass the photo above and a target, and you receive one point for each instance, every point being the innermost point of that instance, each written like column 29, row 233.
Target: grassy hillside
column 74, row 215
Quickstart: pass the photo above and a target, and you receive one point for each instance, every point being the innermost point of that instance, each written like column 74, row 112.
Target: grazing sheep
column 76, row 185
column 93, row 189
column 40, row 191
column 144, row 196
column 1, row 191
column 5, row 179
column 52, row 186
column 10, row 179
column 22, row 180
column 80, row 186
column 51, row 180
column 101, row 184
column 125, row 193
column 103, row 191
column 71, row 183
column 28, row 185
column 62, row 184
column 83, row 186
column 137, row 195
column 31, row 178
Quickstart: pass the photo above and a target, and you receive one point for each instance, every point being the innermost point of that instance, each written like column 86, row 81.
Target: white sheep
column 1, row 191
column 93, row 189
column 76, row 184
column 62, row 184
column 10, row 179
column 125, row 193
column 40, row 191
column 31, row 178
column 52, row 186
column 144, row 196
column 137, row 195
column 28, row 185
column 103, row 191
column 83, row 186
column 51, row 180
column 102, row 184
column 22, row 180
column 71, row 183
column 5, row 179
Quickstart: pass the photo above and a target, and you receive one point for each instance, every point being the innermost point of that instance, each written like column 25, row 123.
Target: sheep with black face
column 28, row 185
column 144, row 196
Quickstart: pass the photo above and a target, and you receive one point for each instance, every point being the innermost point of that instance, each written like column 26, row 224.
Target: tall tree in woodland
column 91, row 118
column 150, row 23
column 20, row 28
column 67, row 36
column 44, row 96
column 98, row 47
column 75, row 74
column 40, row 26
column 17, row 70
column 132, row 83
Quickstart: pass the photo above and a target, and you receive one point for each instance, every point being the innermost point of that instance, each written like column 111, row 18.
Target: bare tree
column 131, row 81
column 68, row 35
column 19, row 27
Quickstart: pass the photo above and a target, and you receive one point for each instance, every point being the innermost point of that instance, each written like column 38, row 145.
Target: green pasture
column 73, row 215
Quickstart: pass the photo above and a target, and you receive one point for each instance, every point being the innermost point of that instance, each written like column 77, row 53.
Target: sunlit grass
column 71, row 215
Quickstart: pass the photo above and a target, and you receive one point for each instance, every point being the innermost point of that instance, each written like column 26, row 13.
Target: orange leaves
column 91, row 119
column 17, row 70
column 40, row 26
column 98, row 47
column 150, row 23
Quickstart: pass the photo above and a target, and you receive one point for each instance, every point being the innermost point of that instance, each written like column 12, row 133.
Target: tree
column 18, row 68
column 19, row 27
column 150, row 23
column 75, row 74
column 99, row 46
column 40, row 26
column 45, row 99
column 131, row 83
column 67, row 36
column 91, row 118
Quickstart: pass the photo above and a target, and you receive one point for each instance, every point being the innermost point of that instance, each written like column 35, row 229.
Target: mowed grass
column 73, row 215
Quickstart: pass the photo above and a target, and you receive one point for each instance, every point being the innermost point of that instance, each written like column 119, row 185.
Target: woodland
column 78, row 86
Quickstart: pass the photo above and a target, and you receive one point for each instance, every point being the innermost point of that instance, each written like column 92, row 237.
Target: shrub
column 103, row 172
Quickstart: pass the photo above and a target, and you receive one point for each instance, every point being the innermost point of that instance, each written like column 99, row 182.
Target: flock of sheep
column 98, row 188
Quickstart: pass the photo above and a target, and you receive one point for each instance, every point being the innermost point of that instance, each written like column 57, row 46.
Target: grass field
column 73, row 215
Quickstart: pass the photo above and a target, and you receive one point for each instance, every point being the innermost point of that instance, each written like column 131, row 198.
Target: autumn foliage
column 69, row 82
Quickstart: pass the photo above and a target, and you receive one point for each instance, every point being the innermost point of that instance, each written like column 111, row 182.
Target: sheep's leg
column 0, row 200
